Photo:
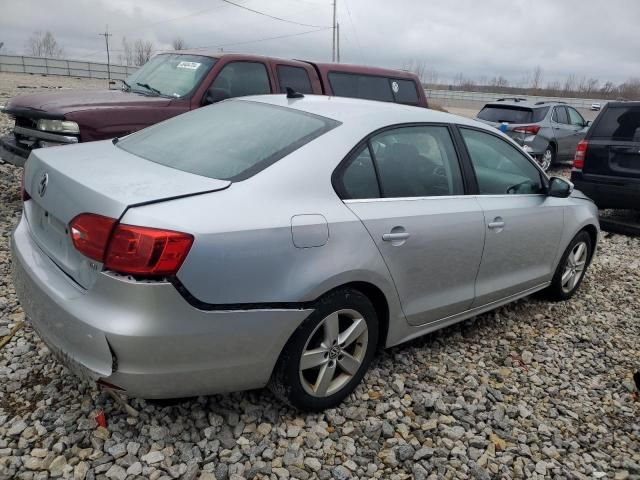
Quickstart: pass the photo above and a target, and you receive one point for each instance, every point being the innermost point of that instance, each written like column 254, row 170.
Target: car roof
column 375, row 114
column 623, row 104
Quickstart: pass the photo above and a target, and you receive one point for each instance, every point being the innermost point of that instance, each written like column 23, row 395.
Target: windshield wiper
column 128, row 87
column 150, row 88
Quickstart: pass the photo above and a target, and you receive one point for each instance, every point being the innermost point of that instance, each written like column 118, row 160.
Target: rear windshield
column 503, row 113
column 231, row 140
column 361, row 86
column 619, row 123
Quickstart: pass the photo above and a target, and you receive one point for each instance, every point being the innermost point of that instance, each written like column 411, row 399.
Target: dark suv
column 606, row 166
column 548, row 131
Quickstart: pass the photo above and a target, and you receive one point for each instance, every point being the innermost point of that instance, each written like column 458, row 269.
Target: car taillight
column 90, row 234
column 129, row 249
column 581, row 153
column 146, row 251
column 25, row 194
column 528, row 129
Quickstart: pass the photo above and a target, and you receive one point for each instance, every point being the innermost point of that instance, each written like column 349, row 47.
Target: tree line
column 532, row 83
column 132, row 52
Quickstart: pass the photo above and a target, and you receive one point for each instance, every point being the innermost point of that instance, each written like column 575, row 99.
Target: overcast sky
column 480, row 38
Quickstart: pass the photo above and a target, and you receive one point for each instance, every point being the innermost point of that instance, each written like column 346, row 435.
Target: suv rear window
column 619, row 123
column 404, row 91
column 231, row 140
column 508, row 114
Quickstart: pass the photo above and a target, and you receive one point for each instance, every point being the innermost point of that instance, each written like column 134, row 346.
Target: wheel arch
column 592, row 231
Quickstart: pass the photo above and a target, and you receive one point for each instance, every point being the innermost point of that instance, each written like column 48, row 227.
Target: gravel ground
column 531, row 390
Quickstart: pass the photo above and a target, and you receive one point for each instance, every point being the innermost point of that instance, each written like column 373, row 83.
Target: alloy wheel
column 574, row 267
column 333, row 353
column 546, row 159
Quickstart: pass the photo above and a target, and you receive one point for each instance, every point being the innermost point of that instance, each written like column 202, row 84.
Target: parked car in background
column 607, row 162
column 548, row 131
column 282, row 240
column 595, row 107
column 174, row 83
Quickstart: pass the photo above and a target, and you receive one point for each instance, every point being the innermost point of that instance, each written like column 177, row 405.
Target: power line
column 355, row 32
column 271, row 16
column 262, row 39
column 170, row 19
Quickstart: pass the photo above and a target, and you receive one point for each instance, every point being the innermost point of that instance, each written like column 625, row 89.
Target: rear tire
column 329, row 353
column 548, row 158
column 571, row 268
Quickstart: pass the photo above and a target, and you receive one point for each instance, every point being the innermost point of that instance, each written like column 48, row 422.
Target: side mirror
column 214, row 95
column 588, row 123
column 559, row 187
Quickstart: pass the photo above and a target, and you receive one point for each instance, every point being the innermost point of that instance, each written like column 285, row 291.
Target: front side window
column 294, row 77
column 170, row 75
column 361, row 86
column 231, row 140
column 417, row 162
column 238, row 79
column 500, row 168
column 575, row 118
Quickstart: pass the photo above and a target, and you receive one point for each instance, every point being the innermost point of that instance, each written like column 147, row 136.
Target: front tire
column 329, row 353
column 571, row 269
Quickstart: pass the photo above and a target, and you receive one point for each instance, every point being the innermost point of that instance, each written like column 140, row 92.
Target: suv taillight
column 581, row 153
column 129, row 249
column 528, row 129
column 25, row 194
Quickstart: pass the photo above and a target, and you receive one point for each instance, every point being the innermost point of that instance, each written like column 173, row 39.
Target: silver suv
column 548, row 131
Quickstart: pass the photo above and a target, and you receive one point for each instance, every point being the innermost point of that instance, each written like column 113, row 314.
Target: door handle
column 393, row 237
column 496, row 224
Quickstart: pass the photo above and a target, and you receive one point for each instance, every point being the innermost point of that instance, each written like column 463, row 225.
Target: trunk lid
column 99, row 178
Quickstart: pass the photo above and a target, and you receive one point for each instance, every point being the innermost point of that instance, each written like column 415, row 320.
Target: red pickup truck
column 174, row 83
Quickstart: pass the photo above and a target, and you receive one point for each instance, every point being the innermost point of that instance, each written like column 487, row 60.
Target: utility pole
column 333, row 40
column 338, row 42
column 106, row 36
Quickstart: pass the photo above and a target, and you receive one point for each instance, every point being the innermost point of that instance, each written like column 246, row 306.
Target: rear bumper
column 608, row 192
column 10, row 152
column 144, row 337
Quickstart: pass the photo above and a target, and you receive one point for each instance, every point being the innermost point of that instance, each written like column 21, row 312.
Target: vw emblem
column 42, row 185
column 395, row 87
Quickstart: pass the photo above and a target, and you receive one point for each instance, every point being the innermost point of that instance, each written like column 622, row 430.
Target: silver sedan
column 280, row 241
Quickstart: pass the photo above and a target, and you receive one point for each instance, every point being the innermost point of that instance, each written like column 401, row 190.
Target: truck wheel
column 329, row 353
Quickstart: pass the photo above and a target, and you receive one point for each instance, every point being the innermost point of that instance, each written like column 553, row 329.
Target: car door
column 578, row 126
column 413, row 205
column 562, row 131
column 523, row 225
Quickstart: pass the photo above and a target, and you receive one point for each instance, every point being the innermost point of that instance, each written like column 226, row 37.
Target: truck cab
column 176, row 82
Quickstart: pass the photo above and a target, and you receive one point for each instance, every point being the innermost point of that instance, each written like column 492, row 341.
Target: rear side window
column 619, row 123
column 361, row 86
column 500, row 114
column 358, row 179
column 560, row 115
column 404, row 91
column 294, row 77
column 239, row 79
column 231, row 140
column 539, row 114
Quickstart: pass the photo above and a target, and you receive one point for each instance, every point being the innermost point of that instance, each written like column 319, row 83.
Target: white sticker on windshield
column 189, row 65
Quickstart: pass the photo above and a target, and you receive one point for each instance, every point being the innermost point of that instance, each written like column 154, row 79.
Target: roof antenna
column 291, row 93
